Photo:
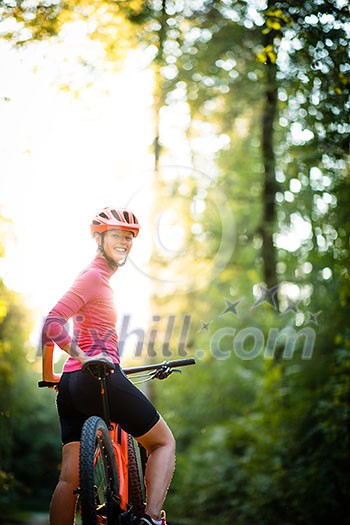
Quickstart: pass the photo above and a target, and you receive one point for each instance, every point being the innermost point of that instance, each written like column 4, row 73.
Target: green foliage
column 266, row 441
column 33, row 448
column 36, row 21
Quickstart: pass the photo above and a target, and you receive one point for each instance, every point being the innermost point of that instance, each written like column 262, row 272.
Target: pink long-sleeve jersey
column 89, row 302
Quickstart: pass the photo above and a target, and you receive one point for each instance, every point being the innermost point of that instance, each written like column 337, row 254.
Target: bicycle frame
column 119, row 440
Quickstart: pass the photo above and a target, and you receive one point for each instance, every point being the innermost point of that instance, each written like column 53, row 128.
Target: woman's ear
column 98, row 238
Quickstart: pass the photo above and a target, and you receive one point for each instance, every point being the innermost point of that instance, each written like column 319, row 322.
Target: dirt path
column 38, row 519
column 34, row 519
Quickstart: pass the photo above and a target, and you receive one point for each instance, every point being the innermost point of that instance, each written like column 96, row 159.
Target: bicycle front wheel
column 99, row 484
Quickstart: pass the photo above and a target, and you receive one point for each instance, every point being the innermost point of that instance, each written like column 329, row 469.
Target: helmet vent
column 116, row 215
column 103, row 215
column 126, row 216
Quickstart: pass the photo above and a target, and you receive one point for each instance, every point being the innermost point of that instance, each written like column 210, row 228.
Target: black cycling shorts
column 79, row 397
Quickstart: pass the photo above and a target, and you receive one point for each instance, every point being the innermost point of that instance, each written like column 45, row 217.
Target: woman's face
column 117, row 244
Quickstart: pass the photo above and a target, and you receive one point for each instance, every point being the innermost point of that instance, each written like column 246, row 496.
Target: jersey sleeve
column 84, row 289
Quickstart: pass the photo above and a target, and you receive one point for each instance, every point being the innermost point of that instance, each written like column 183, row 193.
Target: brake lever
column 164, row 372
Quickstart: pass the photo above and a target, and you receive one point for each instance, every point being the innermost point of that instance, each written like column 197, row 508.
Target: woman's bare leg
column 63, row 500
column 160, row 444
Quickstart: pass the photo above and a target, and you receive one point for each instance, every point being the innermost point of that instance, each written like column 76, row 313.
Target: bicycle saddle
column 98, row 368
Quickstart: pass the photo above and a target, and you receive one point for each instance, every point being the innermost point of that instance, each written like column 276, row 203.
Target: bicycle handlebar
column 139, row 369
column 42, row 384
column 159, row 366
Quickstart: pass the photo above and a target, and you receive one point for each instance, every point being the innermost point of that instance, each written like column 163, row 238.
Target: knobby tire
column 136, row 486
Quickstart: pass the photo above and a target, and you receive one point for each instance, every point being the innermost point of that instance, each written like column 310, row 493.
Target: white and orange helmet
column 115, row 218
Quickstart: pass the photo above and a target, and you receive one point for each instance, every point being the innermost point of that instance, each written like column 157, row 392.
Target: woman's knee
column 70, row 463
column 159, row 436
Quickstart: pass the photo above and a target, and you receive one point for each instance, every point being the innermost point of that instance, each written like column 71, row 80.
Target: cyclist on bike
column 89, row 302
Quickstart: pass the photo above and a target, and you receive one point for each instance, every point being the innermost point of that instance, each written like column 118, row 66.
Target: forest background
column 248, row 268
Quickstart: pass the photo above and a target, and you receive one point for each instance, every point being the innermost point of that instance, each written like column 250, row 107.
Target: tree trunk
column 158, row 89
column 158, row 102
column 268, row 225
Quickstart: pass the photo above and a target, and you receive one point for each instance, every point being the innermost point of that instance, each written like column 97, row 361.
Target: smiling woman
column 90, row 304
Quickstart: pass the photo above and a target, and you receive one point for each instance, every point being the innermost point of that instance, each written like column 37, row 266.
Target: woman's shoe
column 147, row 520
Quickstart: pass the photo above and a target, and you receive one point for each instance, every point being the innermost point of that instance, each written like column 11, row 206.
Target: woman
column 89, row 302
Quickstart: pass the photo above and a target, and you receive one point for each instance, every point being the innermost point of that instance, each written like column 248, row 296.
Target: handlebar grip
column 43, row 384
column 160, row 366
column 182, row 362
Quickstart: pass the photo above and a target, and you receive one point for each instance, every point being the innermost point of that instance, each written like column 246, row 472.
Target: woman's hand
column 82, row 357
column 52, row 377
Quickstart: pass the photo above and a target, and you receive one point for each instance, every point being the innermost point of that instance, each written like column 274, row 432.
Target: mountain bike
column 111, row 467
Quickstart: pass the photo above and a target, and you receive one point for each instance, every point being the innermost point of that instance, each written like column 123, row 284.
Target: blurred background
column 223, row 124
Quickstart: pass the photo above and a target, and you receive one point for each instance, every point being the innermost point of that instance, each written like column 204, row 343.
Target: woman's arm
column 71, row 349
column 47, row 364
column 83, row 290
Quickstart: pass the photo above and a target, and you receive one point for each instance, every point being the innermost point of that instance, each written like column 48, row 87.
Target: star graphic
column 292, row 306
column 231, row 307
column 267, row 295
column 204, row 327
column 313, row 317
